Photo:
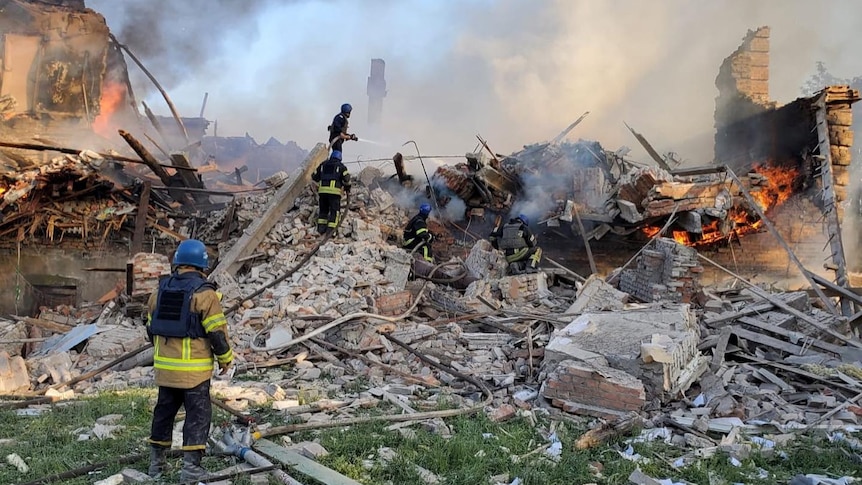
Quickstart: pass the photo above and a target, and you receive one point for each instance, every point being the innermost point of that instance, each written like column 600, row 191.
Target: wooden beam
column 302, row 464
column 766, row 222
column 794, row 370
column 75, row 151
column 832, row 348
column 179, row 159
column 141, row 219
column 593, row 269
column 720, row 348
column 840, row 290
column 146, row 156
column 784, row 306
column 652, row 153
column 157, row 85
column 773, row 342
column 829, row 200
column 283, row 200
column 228, row 221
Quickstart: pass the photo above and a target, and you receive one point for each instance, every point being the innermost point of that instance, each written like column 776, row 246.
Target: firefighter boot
column 157, row 461
column 192, row 469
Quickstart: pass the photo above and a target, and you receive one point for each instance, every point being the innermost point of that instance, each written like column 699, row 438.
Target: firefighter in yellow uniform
column 518, row 244
column 332, row 179
column 188, row 329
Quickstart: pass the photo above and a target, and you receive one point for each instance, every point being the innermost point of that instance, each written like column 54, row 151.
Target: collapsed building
column 638, row 341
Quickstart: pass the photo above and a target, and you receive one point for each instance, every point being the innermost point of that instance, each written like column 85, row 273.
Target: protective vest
column 338, row 126
column 513, row 237
column 173, row 316
column 416, row 230
column 331, row 178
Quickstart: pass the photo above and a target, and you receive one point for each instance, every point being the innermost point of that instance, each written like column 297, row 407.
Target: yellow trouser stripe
column 213, row 321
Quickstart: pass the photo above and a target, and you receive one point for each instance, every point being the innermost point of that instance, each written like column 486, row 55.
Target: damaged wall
column 37, row 265
column 54, row 59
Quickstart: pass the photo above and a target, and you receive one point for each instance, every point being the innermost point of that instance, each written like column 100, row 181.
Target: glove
column 223, row 368
column 354, row 137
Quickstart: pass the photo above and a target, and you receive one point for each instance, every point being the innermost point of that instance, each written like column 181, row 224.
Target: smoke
column 545, row 190
column 516, row 72
column 180, row 41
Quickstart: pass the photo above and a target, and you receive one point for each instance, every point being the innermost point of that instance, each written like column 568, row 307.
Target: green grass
column 48, row 445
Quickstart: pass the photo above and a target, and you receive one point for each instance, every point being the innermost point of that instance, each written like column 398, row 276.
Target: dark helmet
column 425, row 209
column 191, row 252
column 336, row 155
column 524, row 219
column 346, row 108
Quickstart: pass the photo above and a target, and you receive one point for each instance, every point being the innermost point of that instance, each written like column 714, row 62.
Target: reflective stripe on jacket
column 184, row 363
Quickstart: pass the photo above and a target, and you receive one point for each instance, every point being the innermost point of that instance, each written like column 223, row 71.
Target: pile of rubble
column 639, row 341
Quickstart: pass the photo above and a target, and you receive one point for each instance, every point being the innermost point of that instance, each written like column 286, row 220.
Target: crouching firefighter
column 332, row 179
column 417, row 238
column 518, row 244
column 188, row 329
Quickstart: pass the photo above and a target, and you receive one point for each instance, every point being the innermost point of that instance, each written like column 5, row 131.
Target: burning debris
column 651, row 344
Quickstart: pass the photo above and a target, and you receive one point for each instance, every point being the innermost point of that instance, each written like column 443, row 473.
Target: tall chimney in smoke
column 376, row 92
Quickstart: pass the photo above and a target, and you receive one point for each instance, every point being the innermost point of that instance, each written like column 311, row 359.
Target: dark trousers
column 330, row 207
column 196, row 428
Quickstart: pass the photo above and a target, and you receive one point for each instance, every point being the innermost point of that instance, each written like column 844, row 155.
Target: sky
column 515, row 71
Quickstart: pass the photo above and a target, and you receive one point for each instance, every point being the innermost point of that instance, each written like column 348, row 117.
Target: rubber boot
column 192, row 469
column 157, row 461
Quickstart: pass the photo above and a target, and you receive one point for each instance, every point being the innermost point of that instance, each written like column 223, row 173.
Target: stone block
column 393, row 304
column 598, row 295
column 382, row 199
column 523, row 288
column 594, row 385
column 13, row 373
column 57, row 365
column 130, row 475
column 363, row 231
column 485, row 262
column 671, row 335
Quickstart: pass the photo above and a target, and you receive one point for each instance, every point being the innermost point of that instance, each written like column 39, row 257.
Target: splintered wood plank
column 773, row 342
column 302, row 464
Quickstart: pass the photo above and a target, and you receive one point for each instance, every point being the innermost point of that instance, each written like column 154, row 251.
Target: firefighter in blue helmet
column 332, row 179
column 417, row 238
column 188, row 329
column 338, row 129
column 518, row 244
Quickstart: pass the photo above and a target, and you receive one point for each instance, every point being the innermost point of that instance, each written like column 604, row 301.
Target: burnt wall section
column 54, row 59
column 743, row 81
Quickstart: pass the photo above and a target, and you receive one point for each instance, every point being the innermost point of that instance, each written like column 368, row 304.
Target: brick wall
column 582, row 388
column 668, row 271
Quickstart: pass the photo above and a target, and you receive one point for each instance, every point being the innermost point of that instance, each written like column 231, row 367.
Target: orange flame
column 778, row 188
column 113, row 95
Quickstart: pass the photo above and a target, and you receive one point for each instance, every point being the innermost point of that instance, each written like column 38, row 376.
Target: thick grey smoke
column 179, row 40
column 516, row 72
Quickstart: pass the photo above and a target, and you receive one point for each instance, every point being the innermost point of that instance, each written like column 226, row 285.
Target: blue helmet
column 336, row 154
column 425, row 209
column 191, row 252
column 346, row 108
column 524, row 219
